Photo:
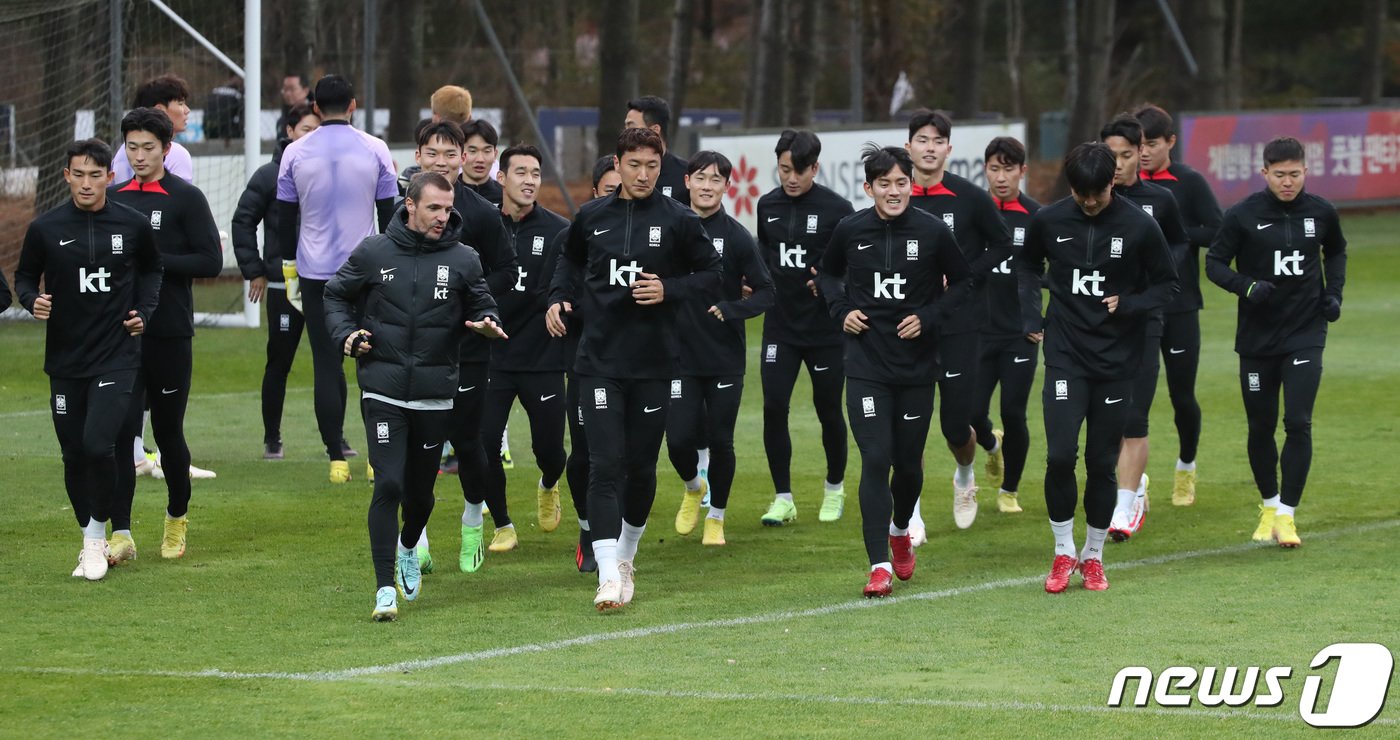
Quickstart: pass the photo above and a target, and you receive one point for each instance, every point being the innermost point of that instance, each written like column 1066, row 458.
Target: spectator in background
column 296, row 90
column 223, row 112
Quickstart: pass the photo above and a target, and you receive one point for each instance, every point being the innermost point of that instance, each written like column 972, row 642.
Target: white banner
column 839, row 167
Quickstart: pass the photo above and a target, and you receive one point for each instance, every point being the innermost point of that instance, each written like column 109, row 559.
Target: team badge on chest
column 1309, row 227
column 719, row 245
column 911, row 249
column 1115, row 247
column 654, row 236
column 442, row 274
column 537, row 248
column 155, row 220
column 812, row 224
column 1018, row 237
column 117, row 246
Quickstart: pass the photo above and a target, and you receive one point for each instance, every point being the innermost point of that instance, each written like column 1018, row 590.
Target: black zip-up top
column 1160, row 204
column 188, row 242
column 258, row 204
column 535, row 241
column 490, row 190
column 1299, row 247
column 714, row 348
column 413, row 295
column 890, row 270
column 671, row 180
column 483, row 231
column 611, row 242
column 1200, row 211
column 981, row 233
column 1005, row 318
column 793, row 234
column 1121, row 252
column 97, row 266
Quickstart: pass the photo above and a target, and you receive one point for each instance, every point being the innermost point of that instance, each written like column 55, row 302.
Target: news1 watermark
column 1357, row 691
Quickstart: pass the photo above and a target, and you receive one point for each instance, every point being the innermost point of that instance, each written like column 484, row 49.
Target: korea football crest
column 1309, row 227
column 911, row 250
column 537, row 248
column 719, row 245
column 117, row 245
column 812, row 224
column 1018, row 236
column 156, row 218
column 654, row 236
column 1115, row 247
column 381, row 432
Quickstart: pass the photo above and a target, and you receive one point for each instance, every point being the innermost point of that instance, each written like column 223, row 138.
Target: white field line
column 666, row 629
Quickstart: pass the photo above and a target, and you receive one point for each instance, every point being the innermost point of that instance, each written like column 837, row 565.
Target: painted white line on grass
column 666, row 629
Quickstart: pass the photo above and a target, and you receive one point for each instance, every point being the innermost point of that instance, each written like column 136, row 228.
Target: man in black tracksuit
column 709, row 382
column 530, row 366
column 398, row 305
column 101, row 272
column 629, row 259
column 986, row 243
column 1008, row 351
column 654, row 113
column 263, row 271
column 190, row 248
column 883, row 275
column 1109, row 270
column 1181, row 332
column 1123, row 136
column 795, row 221
column 1290, row 263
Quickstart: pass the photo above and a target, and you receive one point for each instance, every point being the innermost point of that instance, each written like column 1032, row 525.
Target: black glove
column 1258, row 291
column 1331, row 308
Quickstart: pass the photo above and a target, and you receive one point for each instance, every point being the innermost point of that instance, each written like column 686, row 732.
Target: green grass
column 765, row 637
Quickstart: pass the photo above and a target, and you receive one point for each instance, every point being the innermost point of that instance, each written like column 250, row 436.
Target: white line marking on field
column 666, row 629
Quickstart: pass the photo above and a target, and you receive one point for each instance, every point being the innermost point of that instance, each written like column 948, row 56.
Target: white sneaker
column 918, row 535
column 1120, row 527
column 146, row 466
column 629, row 584
column 964, row 505
column 78, row 571
column 93, row 558
column 609, row 596
column 197, row 473
column 386, row 605
column 157, row 471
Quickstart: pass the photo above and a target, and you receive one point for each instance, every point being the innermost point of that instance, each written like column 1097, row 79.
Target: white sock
column 833, row 487
column 883, row 566
column 95, row 530
column 138, row 450
column 1286, row 510
column 116, row 532
column 1142, row 485
column 704, row 459
column 471, row 515
column 1185, row 466
column 583, row 525
column 1009, row 493
column 996, row 445
column 897, row 532
column 404, row 550
column 1064, row 537
column 1272, row 501
column 1093, row 544
column 1126, row 497
column 693, row 484
column 505, row 440
column 628, row 541
column 605, row 552
column 963, row 476
column 917, row 517
column 715, row 514
column 787, row 496
column 423, row 538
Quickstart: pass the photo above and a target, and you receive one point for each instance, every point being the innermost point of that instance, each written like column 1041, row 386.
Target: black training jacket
column 97, row 266
column 483, row 231
column 710, row 347
column 890, row 270
column 1297, row 246
column 1005, row 317
column 1160, row 204
column 413, row 295
column 981, row 233
column 188, row 241
column 1121, row 252
column 610, row 243
column 1200, row 211
column 670, row 182
column 535, row 240
column 258, row 204
column 490, row 190
column 793, row 234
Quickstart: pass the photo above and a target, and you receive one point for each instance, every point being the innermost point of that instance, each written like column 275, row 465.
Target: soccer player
column 189, row 246
column 1008, row 350
column 530, row 366
column 329, row 187
column 258, row 204
column 654, row 113
column 1109, row 269
column 399, row 305
column 795, row 221
column 479, row 160
column 1181, row 333
column 883, row 276
column 628, row 260
column 101, row 273
column 1123, row 136
column 705, row 394
column 986, row 243
column 605, row 177
column 1290, row 264
column 168, row 94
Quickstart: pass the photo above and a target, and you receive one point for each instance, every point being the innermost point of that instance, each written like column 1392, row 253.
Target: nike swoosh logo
column 429, row 447
column 910, row 418
column 104, row 385
column 724, row 385
column 1019, row 360
column 546, row 398
column 63, row 243
column 1111, row 401
column 1063, row 239
column 168, row 391
column 1261, row 227
column 386, row 270
column 1301, row 362
column 1175, row 351
column 775, row 218
column 864, row 246
column 597, row 232
column 951, row 375
column 464, row 390
column 650, row 410
column 819, row 369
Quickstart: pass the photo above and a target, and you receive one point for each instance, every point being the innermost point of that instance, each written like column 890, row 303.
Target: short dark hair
column 803, row 146
column 603, row 166
column 480, row 127
column 935, row 118
column 705, row 158
column 1156, row 122
column 1089, row 167
column 445, row 130
column 521, row 150
column 301, row 78
column 333, row 95
column 298, row 112
column 1007, row 148
column 655, row 111
column 423, row 180
column 633, row 139
column 1284, row 149
column 149, row 119
column 94, row 149
column 879, row 160
column 161, row 91
column 1123, row 125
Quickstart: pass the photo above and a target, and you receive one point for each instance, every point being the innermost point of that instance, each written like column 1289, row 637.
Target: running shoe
column 780, row 512
column 172, row 544
column 504, row 540
column 386, row 605
column 469, row 561
column 833, row 504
